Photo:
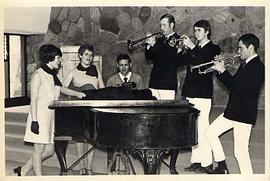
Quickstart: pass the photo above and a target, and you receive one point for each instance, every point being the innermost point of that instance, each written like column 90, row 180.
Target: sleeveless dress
column 80, row 116
column 47, row 93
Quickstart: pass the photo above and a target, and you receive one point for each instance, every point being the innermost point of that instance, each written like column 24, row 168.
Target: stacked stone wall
column 109, row 28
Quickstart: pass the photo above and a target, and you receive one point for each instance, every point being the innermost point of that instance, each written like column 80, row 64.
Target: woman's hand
column 35, row 127
column 80, row 95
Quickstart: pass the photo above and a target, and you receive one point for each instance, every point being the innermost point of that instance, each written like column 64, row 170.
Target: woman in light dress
column 45, row 88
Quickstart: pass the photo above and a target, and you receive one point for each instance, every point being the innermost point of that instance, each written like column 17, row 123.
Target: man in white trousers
column 241, row 110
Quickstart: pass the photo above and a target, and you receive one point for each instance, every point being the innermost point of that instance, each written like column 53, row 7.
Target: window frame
column 25, row 99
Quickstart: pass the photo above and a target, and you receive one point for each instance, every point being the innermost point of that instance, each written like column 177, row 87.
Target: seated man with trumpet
column 163, row 78
column 241, row 110
column 198, row 89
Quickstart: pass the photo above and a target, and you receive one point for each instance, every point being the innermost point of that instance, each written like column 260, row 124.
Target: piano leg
column 60, row 150
column 124, row 157
column 174, row 155
column 151, row 159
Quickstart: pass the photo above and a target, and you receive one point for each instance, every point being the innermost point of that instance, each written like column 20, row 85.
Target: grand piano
column 148, row 128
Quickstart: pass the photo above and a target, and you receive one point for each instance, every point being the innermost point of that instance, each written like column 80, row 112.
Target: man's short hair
column 170, row 18
column 47, row 53
column 249, row 39
column 85, row 47
column 123, row 56
column 205, row 25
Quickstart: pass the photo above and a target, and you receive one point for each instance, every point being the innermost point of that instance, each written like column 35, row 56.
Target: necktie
column 125, row 80
column 243, row 63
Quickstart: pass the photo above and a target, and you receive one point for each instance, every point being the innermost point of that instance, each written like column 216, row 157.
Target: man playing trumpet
column 241, row 110
column 198, row 89
column 163, row 78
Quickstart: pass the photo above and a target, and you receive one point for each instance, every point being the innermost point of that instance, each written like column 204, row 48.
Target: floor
column 182, row 162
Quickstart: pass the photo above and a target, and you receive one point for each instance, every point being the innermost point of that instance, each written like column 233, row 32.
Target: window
column 15, row 70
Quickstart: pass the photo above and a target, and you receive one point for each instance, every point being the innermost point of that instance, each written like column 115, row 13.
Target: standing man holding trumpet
column 241, row 110
column 163, row 78
column 198, row 89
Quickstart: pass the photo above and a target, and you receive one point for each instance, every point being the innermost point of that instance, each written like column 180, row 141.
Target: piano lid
column 119, row 103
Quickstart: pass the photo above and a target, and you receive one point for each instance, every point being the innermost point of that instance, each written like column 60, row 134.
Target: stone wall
column 109, row 28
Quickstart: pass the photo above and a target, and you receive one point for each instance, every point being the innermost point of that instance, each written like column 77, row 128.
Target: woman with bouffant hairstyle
column 45, row 88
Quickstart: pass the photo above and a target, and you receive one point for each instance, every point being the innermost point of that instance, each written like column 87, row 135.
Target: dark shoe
column 18, row 171
column 218, row 170
column 204, row 169
column 173, row 171
column 192, row 167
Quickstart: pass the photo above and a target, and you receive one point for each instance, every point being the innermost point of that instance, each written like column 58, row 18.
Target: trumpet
column 132, row 43
column 230, row 61
column 174, row 42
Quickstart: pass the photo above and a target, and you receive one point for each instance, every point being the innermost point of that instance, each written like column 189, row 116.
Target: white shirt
column 168, row 36
column 127, row 76
column 203, row 44
column 250, row 58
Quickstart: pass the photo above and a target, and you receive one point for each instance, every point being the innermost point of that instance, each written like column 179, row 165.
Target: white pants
column 161, row 94
column 201, row 153
column 241, row 134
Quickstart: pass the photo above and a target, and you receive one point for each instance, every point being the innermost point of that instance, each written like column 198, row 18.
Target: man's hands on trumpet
column 219, row 64
column 187, row 41
column 151, row 41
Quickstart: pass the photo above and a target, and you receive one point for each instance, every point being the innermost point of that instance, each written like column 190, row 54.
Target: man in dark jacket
column 241, row 111
column 163, row 78
column 198, row 89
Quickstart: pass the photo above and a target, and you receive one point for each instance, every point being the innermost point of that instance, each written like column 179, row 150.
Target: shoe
column 192, row 167
column 173, row 171
column 84, row 171
column 204, row 169
column 90, row 171
column 18, row 171
column 218, row 170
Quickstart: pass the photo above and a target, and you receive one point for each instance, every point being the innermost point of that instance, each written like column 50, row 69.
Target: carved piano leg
column 60, row 150
column 151, row 159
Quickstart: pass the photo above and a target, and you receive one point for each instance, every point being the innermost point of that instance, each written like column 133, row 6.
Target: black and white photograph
column 135, row 90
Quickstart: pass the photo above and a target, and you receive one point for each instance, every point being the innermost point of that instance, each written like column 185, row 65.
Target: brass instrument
column 178, row 42
column 132, row 43
column 230, row 61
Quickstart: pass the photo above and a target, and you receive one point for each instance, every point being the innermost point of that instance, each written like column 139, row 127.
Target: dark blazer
column 198, row 85
column 164, row 71
column 244, row 88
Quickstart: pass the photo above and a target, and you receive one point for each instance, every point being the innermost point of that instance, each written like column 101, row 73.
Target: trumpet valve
column 130, row 44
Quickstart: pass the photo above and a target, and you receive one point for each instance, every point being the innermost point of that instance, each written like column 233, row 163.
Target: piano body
column 149, row 128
